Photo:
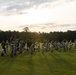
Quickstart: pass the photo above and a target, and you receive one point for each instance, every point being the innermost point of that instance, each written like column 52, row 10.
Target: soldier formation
column 18, row 45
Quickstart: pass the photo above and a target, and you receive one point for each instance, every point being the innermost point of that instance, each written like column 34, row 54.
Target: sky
column 38, row 15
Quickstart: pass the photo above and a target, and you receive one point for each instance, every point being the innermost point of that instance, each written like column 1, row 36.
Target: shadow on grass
column 71, row 55
column 46, row 61
column 62, row 61
column 5, row 64
column 31, row 65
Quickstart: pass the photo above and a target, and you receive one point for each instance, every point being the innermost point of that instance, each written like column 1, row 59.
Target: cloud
column 15, row 6
column 9, row 6
column 38, row 14
column 48, row 25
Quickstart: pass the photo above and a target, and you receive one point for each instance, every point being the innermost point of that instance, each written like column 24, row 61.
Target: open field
column 57, row 63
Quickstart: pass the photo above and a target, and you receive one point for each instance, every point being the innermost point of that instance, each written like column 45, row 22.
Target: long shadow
column 47, row 62
column 71, row 55
column 6, row 64
column 61, row 61
column 23, row 54
column 41, row 59
column 31, row 65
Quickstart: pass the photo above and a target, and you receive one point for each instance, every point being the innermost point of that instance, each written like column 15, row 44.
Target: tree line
column 34, row 36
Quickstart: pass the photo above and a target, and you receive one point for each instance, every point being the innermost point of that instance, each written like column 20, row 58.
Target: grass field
column 57, row 63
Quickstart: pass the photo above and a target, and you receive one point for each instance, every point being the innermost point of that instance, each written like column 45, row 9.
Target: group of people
column 17, row 45
column 58, row 46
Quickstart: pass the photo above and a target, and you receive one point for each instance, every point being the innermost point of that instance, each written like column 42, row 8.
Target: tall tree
column 26, row 29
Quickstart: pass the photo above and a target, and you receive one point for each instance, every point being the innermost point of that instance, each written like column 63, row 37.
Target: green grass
column 57, row 63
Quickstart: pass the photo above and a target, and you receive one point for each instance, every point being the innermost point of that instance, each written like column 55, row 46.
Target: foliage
column 58, row 36
column 26, row 29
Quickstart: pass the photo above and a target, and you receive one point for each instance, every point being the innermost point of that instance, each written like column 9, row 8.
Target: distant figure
column 7, row 43
column 32, row 48
column 75, row 43
column 2, row 52
column 12, row 46
column 43, row 47
column 29, row 43
column 3, row 44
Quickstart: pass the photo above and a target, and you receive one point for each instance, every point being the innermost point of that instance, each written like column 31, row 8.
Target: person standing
column 3, row 44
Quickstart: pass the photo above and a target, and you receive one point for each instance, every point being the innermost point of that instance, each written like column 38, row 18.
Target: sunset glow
column 44, row 16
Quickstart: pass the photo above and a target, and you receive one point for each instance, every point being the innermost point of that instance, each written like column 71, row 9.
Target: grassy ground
column 57, row 63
